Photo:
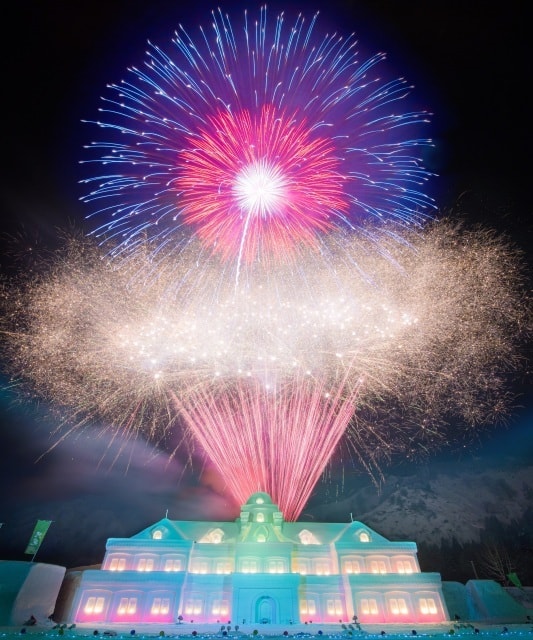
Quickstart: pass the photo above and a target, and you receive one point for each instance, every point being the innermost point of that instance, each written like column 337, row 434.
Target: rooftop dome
column 259, row 498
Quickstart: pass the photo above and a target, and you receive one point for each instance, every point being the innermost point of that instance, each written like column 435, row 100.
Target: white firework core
column 260, row 189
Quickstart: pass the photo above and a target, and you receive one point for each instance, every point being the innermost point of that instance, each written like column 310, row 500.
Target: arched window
column 172, row 564
column 94, row 604
column 351, row 565
column 306, row 537
column 145, row 564
column 214, row 536
column 427, row 605
column 117, row 564
column 249, row 565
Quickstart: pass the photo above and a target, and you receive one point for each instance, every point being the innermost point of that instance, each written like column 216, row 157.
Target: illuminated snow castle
column 258, row 569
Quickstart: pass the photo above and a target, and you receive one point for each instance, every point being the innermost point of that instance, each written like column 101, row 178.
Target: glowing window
column 427, row 606
column 249, row 566
column 306, row 537
column 321, row 567
column 364, row 537
column 94, row 605
column 117, row 564
column 301, row 565
column 259, row 501
column 172, row 564
column 378, row 566
column 193, row 606
column 200, row 566
column 369, row 606
column 398, row 606
column 157, row 534
column 220, row 608
column 160, row 606
column 223, row 566
column 351, row 566
column 334, row 607
column 404, row 566
column 260, row 537
column 308, row 607
column 276, row 566
column 260, row 517
column 127, row 606
column 215, row 536
column 145, row 564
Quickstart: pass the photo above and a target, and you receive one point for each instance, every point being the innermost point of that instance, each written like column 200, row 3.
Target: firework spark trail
column 433, row 335
column 258, row 138
column 269, row 438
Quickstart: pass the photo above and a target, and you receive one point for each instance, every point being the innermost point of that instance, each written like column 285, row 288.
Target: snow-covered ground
column 272, row 632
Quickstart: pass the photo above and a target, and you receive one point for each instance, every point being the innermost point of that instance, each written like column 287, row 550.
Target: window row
column 196, row 606
column 371, row 564
column 389, row 606
column 304, row 566
column 333, row 608
column 160, row 606
column 164, row 606
column 126, row 607
column 145, row 563
column 396, row 606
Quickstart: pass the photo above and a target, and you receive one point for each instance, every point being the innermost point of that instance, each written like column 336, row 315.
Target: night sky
column 470, row 65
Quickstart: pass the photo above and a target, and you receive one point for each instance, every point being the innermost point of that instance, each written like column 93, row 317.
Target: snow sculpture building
column 258, row 569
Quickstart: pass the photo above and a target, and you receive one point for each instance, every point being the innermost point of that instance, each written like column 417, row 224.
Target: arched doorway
column 265, row 610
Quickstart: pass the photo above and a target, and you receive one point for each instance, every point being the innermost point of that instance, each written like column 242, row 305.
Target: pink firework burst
column 259, row 184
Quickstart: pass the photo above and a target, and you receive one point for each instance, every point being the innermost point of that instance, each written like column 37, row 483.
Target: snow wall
column 28, row 589
column 489, row 602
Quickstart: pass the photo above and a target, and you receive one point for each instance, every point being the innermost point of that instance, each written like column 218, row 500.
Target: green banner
column 512, row 577
column 37, row 536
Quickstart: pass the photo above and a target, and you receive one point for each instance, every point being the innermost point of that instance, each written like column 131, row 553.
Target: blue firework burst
column 256, row 138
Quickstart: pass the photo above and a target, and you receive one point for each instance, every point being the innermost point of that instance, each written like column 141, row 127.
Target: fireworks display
column 265, row 280
column 267, row 377
column 257, row 138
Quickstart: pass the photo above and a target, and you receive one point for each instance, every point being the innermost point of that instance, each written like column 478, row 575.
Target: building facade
column 258, row 569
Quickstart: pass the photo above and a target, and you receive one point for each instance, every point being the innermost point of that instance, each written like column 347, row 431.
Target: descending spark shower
column 267, row 274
